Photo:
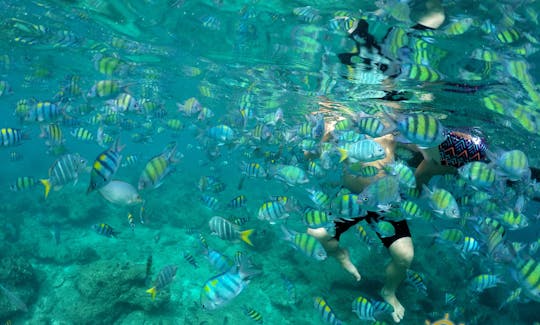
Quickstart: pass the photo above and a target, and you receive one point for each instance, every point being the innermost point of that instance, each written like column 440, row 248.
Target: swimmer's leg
column 402, row 252
column 331, row 245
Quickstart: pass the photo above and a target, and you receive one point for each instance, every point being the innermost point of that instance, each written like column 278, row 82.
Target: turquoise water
column 244, row 61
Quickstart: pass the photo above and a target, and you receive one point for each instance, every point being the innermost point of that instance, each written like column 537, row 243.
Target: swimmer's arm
column 430, row 166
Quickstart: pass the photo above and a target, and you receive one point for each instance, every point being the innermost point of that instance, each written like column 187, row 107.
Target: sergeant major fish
column 253, row 314
column 442, row 202
column 105, row 166
column 229, row 231
column 63, row 171
column 478, row 174
column 105, row 89
column 221, row 133
column 380, row 194
column 11, row 137
column 164, row 278
column 23, row 183
column 307, row 244
column 218, row 261
column 43, row 112
column 104, row 230
column 291, row 175
column 327, row 314
column 222, row 288
column 363, row 151
column 527, row 273
column 272, row 211
column 512, row 164
column 190, row 107
column 421, row 129
column 158, row 168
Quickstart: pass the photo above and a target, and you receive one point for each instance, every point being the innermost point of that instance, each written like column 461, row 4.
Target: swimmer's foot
column 390, row 297
column 342, row 255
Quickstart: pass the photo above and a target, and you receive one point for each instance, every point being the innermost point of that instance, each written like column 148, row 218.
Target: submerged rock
column 19, row 279
column 110, row 290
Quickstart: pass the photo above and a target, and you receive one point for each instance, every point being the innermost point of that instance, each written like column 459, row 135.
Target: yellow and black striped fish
column 327, row 314
column 105, row 166
column 109, row 65
column 508, row 35
column 191, row 260
column 82, row 134
column 64, row 170
column 423, row 73
column 23, row 183
column 10, row 137
column 253, row 314
column 423, row 130
column 225, row 229
column 238, row 202
column 105, row 88
column 131, row 221
column 158, row 167
column 44, row 112
column 53, row 134
column 164, row 278
column 124, row 102
column 104, row 230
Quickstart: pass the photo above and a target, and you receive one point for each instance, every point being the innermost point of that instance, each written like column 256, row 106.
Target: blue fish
column 104, row 230
column 105, row 166
column 222, row 288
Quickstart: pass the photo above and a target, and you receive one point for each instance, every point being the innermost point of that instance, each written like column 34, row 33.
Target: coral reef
column 108, row 290
column 18, row 277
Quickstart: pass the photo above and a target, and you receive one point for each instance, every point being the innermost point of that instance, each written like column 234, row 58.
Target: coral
column 65, row 255
column 16, row 271
column 18, row 277
column 109, row 291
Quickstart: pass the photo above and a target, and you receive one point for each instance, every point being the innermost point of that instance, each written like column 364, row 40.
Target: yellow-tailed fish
column 164, row 278
column 225, row 229
column 64, row 170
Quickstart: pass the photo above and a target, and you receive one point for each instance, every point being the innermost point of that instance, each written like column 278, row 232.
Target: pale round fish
column 291, row 175
column 120, row 193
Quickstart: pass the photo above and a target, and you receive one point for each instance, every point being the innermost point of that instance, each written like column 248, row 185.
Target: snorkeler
column 459, row 148
column 438, row 160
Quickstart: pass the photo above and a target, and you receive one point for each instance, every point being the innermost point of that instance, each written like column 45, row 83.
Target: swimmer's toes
column 399, row 310
column 398, row 313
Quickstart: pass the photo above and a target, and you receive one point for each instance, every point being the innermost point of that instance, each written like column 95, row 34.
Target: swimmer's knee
column 402, row 251
column 330, row 244
column 405, row 258
column 319, row 233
